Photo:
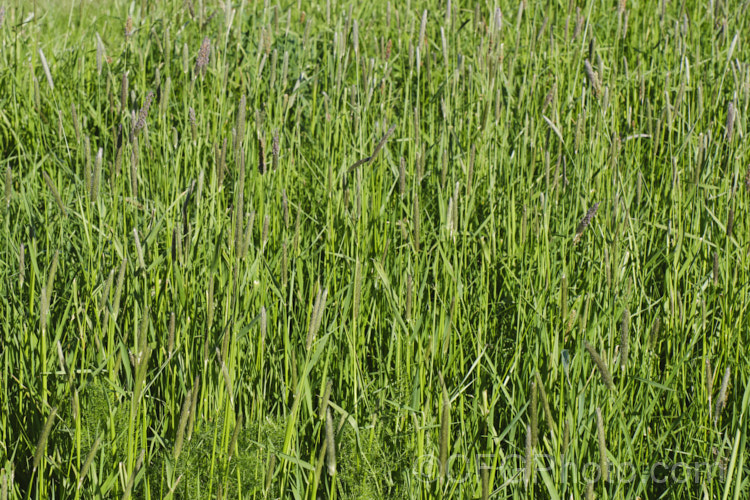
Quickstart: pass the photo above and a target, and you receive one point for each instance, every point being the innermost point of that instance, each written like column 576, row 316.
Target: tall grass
column 463, row 211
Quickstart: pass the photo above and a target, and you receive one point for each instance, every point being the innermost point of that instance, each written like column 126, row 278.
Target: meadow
column 337, row 249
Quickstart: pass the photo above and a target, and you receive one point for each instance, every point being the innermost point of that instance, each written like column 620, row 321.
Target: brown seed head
column 143, row 113
column 202, row 60
column 129, row 27
column 586, row 221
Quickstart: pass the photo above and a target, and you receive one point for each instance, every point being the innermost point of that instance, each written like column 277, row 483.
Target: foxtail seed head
column 601, row 365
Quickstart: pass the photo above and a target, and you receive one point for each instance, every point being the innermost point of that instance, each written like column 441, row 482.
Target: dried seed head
column 591, row 77
column 128, row 27
column 382, row 142
column 584, row 223
column 191, row 116
column 730, row 222
column 498, row 25
column 275, row 150
column 47, row 73
column 730, row 120
column 143, row 113
column 202, row 61
column 261, row 156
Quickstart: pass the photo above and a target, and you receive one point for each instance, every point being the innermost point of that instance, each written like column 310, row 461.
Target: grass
column 344, row 250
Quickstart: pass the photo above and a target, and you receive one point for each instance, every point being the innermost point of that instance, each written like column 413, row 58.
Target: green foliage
column 306, row 250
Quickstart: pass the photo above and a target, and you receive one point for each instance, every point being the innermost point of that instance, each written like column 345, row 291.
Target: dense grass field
column 346, row 249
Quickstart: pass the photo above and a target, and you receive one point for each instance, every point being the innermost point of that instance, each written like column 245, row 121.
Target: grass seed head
column 603, row 462
column 730, row 222
column 140, row 124
column 721, row 401
column 74, row 117
column 193, row 127
column 592, row 77
column 330, row 444
column 21, row 265
column 528, row 458
column 445, row 422
column 261, row 156
column 55, row 194
column 709, row 386
column 584, row 223
column 42, row 442
column 730, row 121
column 45, row 67
column 601, row 365
column 128, row 27
column 624, row 339
column 201, row 61
column 265, row 232
column 275, row 151
column 534, row 410
column 8, row 186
